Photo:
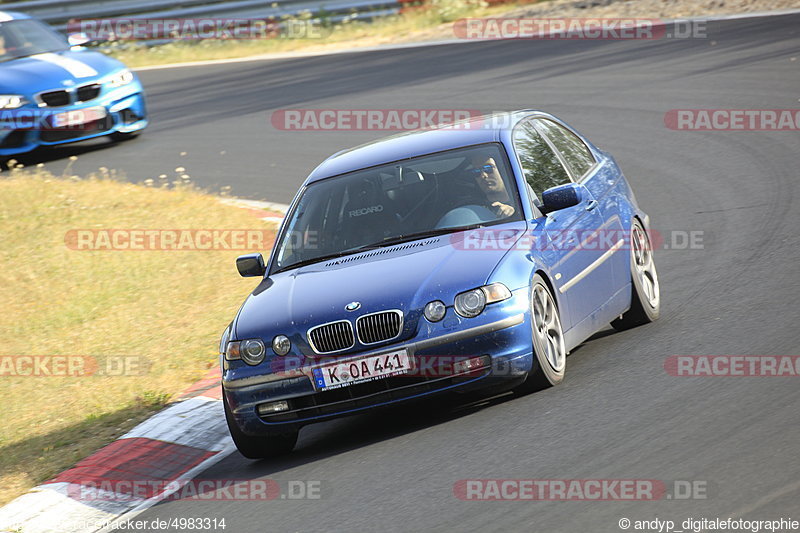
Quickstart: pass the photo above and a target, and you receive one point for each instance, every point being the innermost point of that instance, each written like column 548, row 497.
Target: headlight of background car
column 470, row 304
column 121, row 78
column 11, row 101
column 251, row 351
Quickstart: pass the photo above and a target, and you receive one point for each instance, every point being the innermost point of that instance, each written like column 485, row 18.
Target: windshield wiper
column 386, row 242
column 413, row 236
column 313, row 260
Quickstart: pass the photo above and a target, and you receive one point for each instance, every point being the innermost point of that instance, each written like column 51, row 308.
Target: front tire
column 259, row 447
column 645, row 290
column 119, row 137
column 548, row 340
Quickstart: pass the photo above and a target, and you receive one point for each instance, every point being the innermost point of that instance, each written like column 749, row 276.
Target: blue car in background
column 54, row 91
column 461, row 258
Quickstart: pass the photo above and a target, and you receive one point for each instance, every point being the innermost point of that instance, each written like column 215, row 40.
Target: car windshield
column 27, row 37
column 397, row 202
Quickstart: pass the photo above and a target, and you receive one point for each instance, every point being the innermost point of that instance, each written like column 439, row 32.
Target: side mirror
column 251, row 265
column 562, row 197
column 78, row 40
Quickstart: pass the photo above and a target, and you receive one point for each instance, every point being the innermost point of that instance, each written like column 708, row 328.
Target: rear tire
column 548, row 340
column 645, row 290
column 259, row 447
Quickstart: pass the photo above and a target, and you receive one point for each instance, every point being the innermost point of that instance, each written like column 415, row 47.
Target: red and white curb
column 169, row 448
column 258, row 207
column 172, row 446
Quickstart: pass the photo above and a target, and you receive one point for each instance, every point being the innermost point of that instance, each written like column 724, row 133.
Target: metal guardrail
column 59, row 12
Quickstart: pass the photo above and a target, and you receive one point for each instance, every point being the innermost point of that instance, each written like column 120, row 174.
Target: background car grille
column 55, row 98
column 331, row 337
column 377, row 327
column 88, row 92
column 84, row 130
column 15, row 139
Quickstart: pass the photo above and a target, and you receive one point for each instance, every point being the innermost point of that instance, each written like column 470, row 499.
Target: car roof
column 475, row 130
column 6, row 16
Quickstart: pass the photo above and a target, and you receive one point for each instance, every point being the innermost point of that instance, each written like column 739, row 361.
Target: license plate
column 352, row 371
column 77, row 117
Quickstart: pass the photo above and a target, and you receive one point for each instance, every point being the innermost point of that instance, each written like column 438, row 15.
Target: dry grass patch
column 166, row 308
column 433, row 23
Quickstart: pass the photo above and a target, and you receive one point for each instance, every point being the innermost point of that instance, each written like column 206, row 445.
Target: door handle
column 591, row 205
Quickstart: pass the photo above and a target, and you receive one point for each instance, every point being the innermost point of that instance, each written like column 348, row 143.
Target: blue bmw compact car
column 474, row 256
column 54, row 91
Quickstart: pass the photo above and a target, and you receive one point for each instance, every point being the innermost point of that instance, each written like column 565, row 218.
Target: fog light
column 467, row 365
column 273, row 407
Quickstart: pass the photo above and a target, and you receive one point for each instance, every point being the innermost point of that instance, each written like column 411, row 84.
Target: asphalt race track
column 618, row 415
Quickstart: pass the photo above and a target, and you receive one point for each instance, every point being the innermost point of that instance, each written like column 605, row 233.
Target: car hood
column 405, row 277
column 30, row 75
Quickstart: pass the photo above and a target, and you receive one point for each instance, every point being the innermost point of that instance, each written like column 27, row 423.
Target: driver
column 491, row 183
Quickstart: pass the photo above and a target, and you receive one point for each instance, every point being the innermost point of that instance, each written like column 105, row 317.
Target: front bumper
column 499, row 347
column 126, row 113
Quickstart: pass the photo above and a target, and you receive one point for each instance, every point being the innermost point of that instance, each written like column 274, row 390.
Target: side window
column 540, row 163
column 575, row 153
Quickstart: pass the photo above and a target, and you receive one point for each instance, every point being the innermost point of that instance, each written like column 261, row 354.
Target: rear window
column 572, row 149
column 540, row 163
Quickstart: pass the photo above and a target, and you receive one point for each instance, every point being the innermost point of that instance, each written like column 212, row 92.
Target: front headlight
column 251, row 351
column 121, row 78
column 11, row 101
column 470, row 304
